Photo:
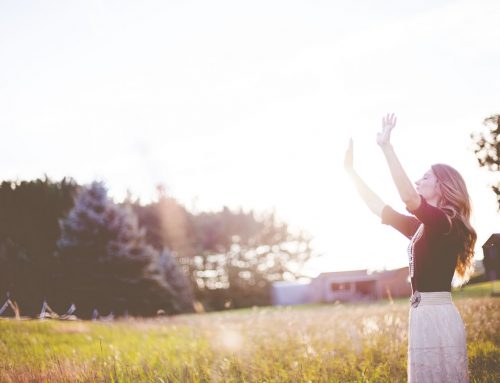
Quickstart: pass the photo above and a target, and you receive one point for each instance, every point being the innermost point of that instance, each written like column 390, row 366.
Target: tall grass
column 320, row 343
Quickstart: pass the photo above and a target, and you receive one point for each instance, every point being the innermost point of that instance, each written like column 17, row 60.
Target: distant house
column 356, row 285
column 491, row 260
column 360, row 285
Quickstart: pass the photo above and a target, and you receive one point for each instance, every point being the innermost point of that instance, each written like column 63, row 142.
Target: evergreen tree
column 178, row 281
column 169, row 230
column 29, row 230
column 105, row 260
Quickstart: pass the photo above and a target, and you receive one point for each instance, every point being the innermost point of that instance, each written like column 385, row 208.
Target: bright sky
column 252, row 103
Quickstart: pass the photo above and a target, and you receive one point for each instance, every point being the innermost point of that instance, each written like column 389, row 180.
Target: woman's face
column 428, row 187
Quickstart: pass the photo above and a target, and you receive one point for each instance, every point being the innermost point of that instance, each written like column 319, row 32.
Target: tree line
column 66, row 244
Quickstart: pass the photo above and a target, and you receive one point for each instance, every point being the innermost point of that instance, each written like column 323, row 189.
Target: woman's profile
column 441, row 246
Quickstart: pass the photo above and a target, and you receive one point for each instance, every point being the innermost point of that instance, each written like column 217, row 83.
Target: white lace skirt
column 437, row 350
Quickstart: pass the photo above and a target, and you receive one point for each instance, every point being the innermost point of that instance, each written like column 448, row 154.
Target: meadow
column 309, row 343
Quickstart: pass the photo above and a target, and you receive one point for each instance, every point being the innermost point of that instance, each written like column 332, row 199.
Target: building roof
column 493, row 239
column 351, row 273
column 290, row 283
column 351, row 278
column 360, row 275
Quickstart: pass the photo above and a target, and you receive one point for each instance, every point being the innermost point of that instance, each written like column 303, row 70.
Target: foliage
column 111, row 260
column 487, row 150
column 230, row 257
column 178, row 282
column 243, row 255
column 106, row 262
column 29, row 230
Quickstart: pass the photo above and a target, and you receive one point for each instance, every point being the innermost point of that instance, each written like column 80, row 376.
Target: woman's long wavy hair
column 455, row 200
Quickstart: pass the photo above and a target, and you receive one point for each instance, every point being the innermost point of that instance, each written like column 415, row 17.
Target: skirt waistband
column 433, row 298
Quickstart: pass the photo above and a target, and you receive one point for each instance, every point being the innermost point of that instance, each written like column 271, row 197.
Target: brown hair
column 456, row 202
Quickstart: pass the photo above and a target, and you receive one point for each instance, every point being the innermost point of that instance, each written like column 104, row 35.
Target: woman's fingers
column 350, row 148
column 348, row 159
column 393, row 120
column 389, row 121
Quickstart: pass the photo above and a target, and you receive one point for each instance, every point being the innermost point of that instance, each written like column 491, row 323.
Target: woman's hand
column 388, row 123
column 348, row 159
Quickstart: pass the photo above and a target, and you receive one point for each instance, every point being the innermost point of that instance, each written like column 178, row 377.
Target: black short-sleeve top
column 436, row 244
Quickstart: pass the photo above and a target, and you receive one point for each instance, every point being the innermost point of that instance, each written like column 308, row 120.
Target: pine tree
column 178, row 281
column 106, row 261
column 29, row 229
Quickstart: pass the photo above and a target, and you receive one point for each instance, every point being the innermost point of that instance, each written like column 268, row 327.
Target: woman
column 441, row 245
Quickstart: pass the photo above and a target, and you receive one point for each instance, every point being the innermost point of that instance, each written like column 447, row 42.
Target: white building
column 344, row 286
column 290, row 293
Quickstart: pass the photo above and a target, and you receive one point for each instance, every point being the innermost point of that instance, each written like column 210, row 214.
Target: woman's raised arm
column 373, row 201
column 405, row 187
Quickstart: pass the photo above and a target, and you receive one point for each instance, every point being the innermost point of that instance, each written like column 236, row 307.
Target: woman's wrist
column 386, row 147
column 350, row 171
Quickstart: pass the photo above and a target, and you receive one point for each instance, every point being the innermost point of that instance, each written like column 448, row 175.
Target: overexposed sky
column 252, row 103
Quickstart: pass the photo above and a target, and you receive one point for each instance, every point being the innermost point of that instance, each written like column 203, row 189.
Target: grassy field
column 312, row 343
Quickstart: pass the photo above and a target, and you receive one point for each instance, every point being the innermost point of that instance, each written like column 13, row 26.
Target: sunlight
column 230, row 340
